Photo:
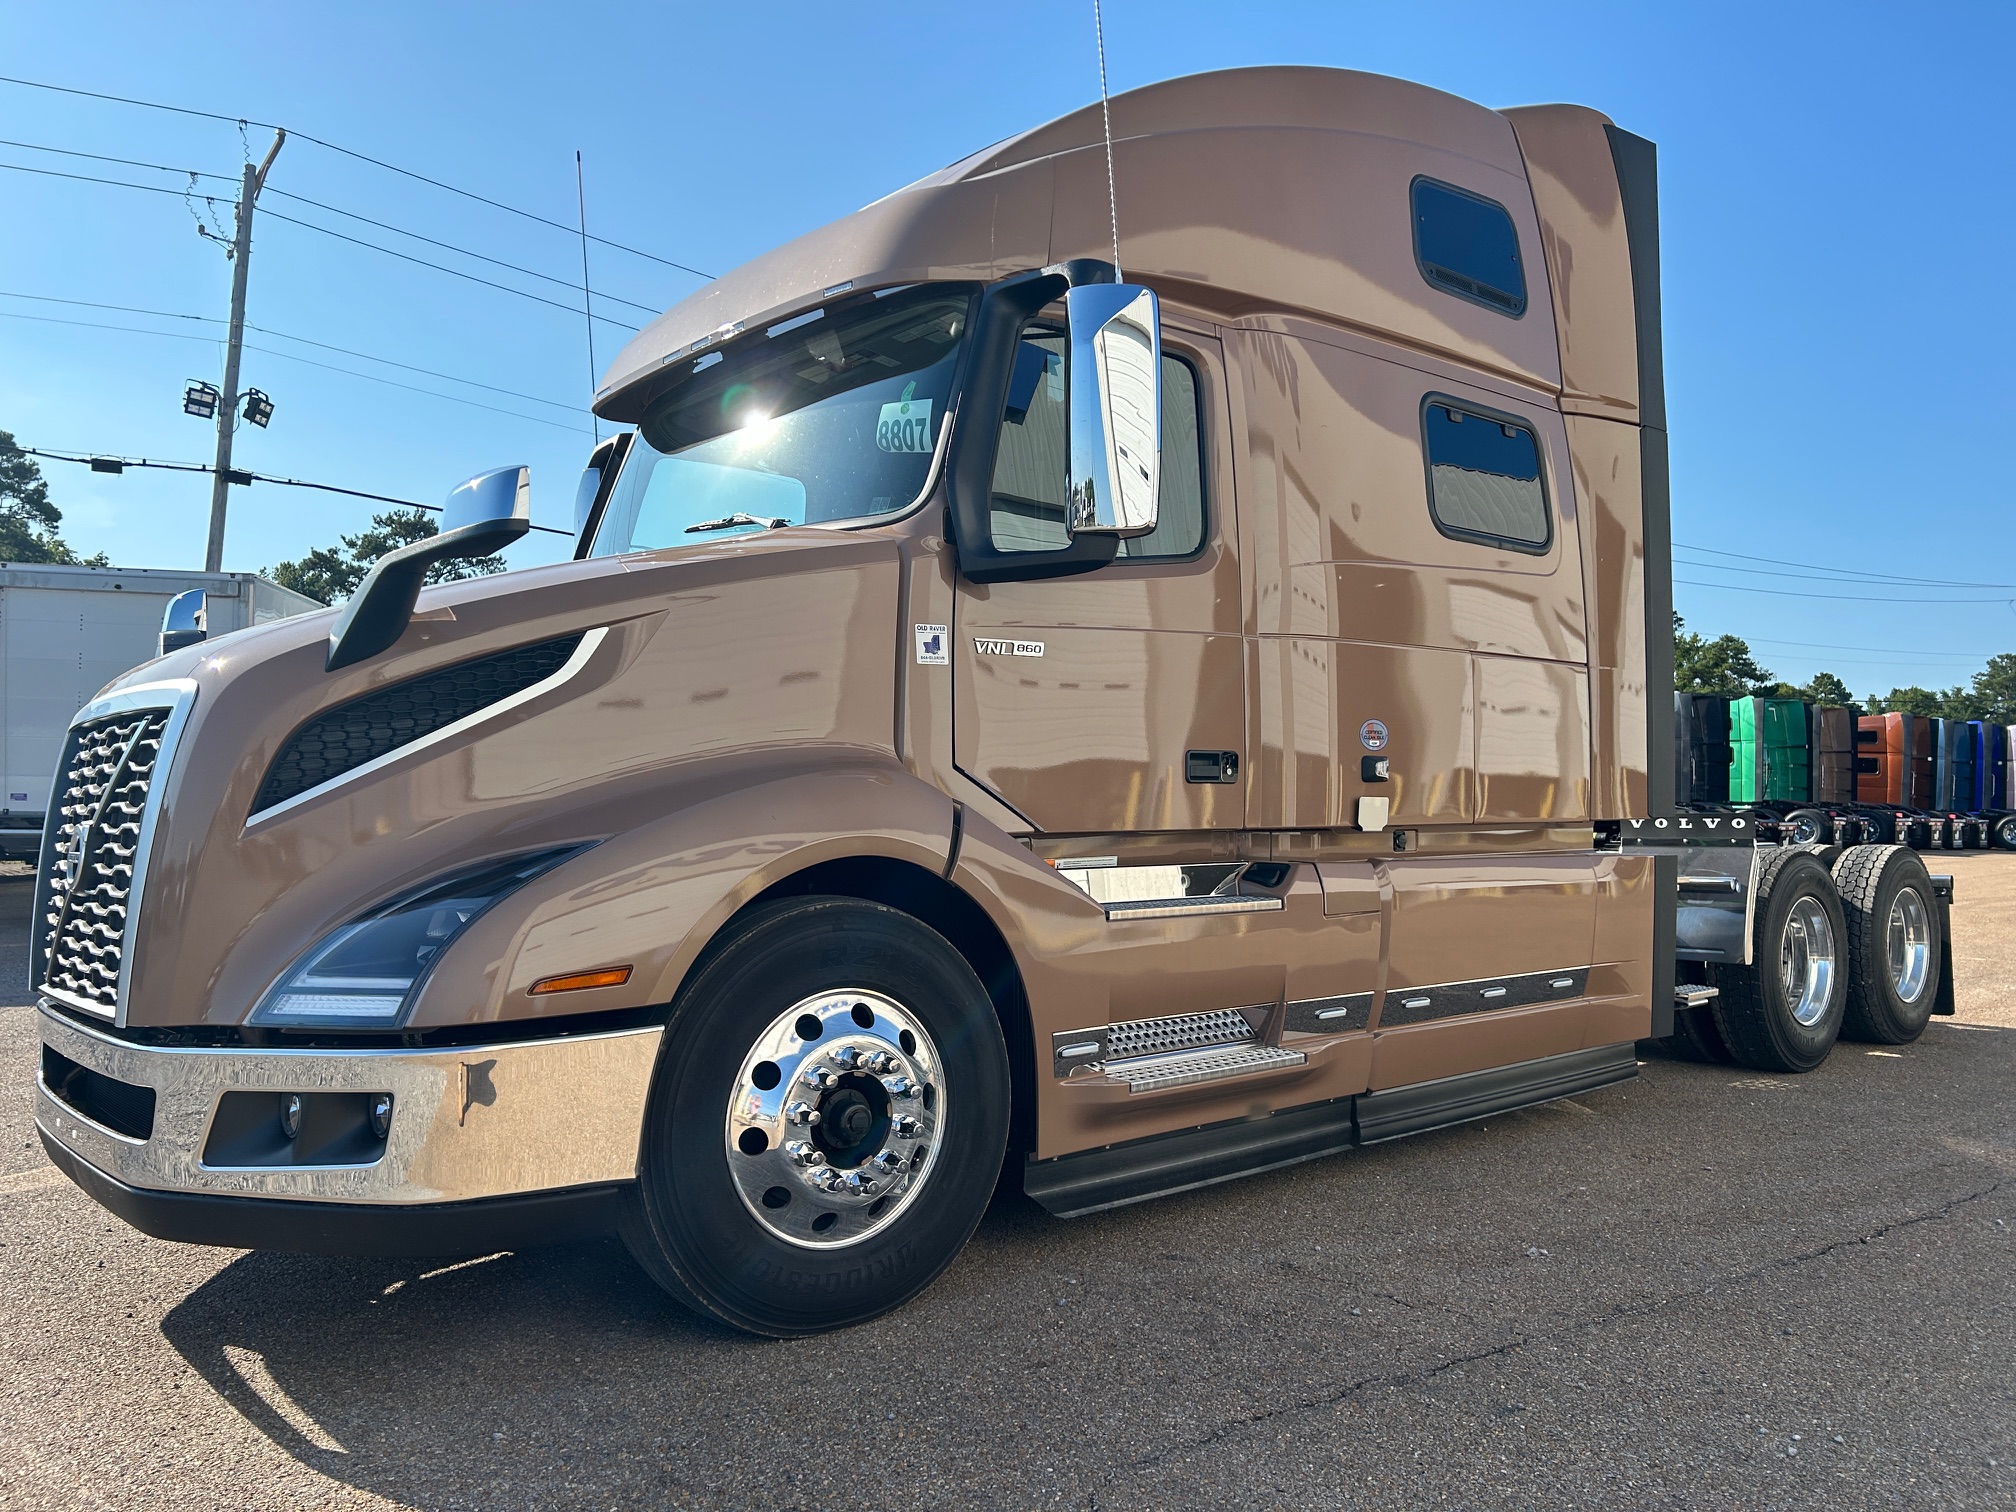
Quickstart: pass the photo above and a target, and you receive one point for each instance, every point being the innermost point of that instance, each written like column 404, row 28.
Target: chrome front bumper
column 468, row 1123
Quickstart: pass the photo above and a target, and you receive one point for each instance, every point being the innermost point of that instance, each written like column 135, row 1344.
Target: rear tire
column 1878, row 829
column 1783, row 1012
column 1806, row 826
column 1893, row 944
column 827, row 1120
column 2005, row 832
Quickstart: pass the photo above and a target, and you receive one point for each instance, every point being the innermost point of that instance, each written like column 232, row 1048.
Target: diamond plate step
column 1201, row 1066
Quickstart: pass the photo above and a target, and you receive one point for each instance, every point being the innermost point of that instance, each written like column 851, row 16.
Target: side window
column 1027, row 508
column 1467, row 245
column 1484, row 477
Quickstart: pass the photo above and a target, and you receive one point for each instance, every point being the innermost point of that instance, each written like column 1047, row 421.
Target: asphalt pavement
column 1704, row 1288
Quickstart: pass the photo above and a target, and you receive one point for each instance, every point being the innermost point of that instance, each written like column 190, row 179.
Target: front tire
column 1893, row 944
column 827, row 1121
column 1783, row 1012
column 2005, row 832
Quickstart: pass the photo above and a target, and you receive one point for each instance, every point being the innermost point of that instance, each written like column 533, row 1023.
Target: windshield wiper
column 729, row 522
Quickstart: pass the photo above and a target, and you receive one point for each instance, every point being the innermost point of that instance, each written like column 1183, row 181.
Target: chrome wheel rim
column 1806, row 960
column 1806, row 831
column 833, row 1119
column 1908, row 944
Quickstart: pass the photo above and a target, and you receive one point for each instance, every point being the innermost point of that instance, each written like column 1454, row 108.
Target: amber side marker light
column 575, row 981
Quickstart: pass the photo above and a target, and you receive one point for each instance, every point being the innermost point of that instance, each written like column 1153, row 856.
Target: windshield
column 834, row 416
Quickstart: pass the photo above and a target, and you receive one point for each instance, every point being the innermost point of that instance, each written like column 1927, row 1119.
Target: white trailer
column 65, row 632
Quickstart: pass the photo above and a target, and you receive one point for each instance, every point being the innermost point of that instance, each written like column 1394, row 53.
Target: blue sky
column 1836, row 200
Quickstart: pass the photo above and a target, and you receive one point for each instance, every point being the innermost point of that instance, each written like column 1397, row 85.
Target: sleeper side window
column 1467, row 246
column 1027, row 507
column 1484, row 477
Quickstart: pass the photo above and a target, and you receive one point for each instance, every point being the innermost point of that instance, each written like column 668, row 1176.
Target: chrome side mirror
column 483, row 515
column 186, row 620
column 1115, row 408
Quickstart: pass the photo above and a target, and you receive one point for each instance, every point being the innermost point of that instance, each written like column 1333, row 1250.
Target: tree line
column 1725, row 666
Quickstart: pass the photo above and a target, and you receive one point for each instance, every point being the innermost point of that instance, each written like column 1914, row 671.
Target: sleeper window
column 1484, row 477
column 1467, row 246
column 1028, row 493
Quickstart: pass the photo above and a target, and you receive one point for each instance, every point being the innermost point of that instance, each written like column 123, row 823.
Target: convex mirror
column 481, row 516
column 1114, row 379
column 186, row 620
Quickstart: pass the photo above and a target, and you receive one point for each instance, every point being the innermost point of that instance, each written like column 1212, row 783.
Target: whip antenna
column 1106, row 112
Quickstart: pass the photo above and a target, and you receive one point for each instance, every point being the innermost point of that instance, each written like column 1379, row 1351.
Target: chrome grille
column 90, row 853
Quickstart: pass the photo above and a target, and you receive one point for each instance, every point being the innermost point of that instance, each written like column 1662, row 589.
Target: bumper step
column 1198, row 1066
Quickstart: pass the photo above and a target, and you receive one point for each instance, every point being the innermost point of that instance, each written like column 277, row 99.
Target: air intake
column 351, row 734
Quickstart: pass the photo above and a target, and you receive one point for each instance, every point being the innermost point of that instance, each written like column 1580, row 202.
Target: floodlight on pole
column 258, row 408
column 201, row 399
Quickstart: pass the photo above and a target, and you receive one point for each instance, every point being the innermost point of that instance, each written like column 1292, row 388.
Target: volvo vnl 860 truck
column 1136, row 722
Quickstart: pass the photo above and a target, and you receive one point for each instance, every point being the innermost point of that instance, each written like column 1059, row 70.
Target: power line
column 239, row 475
column 286, row 336
column 211, row 115
column 1746, row 556
column 1884, row 650
column 96, row 325
column 84, row 178
column 194, row 173
column 1875, row 579
column 451, row 247
column 442, row 268
column 1837, row 598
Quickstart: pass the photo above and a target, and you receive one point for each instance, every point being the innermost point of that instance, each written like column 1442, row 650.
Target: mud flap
column 1943, row 1001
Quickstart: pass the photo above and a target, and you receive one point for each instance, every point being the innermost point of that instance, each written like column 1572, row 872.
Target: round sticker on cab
column 1372, row 735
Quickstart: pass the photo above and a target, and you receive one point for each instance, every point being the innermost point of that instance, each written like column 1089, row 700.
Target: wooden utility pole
column 227, row 408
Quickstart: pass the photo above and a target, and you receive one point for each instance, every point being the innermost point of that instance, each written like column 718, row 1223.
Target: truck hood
column 728, row 651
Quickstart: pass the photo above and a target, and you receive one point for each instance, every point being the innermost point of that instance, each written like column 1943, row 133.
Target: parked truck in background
column 65, row 632
column 1143, row 727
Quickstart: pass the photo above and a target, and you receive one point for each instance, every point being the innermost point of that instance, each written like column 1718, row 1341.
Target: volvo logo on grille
column 74, row 859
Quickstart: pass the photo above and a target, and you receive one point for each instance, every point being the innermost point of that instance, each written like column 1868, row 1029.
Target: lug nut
column 802, row 1113
column 857, row 1185
column 826, row 1178
column 900, row 1087
column 888, row 1162
column 881, row 1061
column 803, row 1152
column 906, row 1127
column 846, row 1057
column 818, row 1076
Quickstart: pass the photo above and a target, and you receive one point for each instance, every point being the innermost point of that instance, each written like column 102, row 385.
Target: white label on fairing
column 931, row 646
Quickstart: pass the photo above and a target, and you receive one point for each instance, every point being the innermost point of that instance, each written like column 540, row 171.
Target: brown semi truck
column 1130, row 728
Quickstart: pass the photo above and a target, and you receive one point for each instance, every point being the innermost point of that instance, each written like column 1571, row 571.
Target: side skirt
column 1091, row 1181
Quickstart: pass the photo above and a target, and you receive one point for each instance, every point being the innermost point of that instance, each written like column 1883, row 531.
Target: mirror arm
column 378, row 612
column 983, row 394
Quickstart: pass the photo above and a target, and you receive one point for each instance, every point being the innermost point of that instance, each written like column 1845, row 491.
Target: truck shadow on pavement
column 1521, row 1281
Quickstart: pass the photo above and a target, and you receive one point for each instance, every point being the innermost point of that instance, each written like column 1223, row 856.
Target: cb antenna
column 1106, row 113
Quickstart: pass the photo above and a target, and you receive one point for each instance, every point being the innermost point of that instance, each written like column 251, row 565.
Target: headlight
column 367, row 974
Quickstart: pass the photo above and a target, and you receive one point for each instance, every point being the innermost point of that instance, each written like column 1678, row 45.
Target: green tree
column 1994, row 689
column 28, row 521
column 330, row 573
column 1911, row 700
column 1826, row 688
column 1723, row 666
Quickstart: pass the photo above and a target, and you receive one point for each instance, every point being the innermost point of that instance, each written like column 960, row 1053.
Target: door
column 1113, row 700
